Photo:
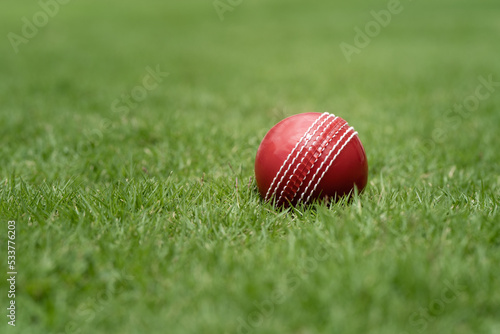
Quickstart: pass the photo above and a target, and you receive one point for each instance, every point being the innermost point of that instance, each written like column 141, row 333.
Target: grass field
column 133, row 194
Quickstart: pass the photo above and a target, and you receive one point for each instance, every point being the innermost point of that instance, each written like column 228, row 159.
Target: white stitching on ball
column 319, row 156
column 333, row 118
column 288, row 158
column 331, row 162
column 308, row 137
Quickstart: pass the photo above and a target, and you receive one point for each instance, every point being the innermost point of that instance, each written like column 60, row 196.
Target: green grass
column 149, row 221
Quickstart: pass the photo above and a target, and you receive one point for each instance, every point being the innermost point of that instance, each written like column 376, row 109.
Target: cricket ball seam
column 289, row 155
column 312, row 149
column 321, row 166
column 332, row 160
column 308, row 138
column 304, row 145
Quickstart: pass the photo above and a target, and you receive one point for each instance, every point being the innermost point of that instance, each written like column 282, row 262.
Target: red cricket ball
column 310, row 156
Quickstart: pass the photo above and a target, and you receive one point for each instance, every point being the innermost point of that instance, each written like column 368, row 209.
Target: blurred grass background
column 148, row 220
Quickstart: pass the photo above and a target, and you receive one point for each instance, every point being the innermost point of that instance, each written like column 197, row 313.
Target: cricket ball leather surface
column 310, row 156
